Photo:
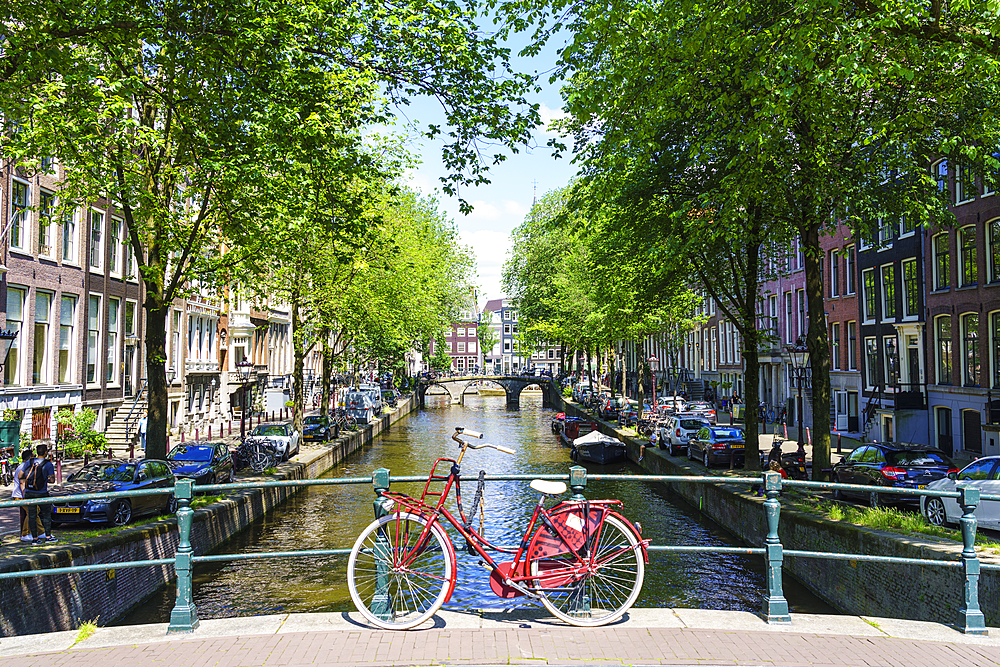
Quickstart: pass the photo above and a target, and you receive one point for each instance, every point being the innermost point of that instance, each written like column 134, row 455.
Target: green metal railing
column 184, row 616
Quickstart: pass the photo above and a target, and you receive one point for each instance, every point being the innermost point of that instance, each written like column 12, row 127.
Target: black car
column 717, row 444
column 204, row 462
column 317, row 427
column 897, row 464
column 116, row 475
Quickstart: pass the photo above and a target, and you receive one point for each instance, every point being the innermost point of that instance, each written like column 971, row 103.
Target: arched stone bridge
column 512, row 385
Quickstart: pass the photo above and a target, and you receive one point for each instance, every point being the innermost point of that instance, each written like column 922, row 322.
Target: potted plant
column 10, row 428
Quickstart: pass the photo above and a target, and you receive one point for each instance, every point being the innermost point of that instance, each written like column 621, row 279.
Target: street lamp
column 799, row 356
column 243, row 369
column 653, row 364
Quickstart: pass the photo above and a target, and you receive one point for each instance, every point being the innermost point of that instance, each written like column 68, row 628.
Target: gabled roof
column 493, row 305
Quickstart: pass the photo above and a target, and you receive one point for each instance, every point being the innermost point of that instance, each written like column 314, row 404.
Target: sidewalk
column 523, row 636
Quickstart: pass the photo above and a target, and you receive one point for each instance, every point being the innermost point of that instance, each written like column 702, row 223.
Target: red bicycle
column 582, row 560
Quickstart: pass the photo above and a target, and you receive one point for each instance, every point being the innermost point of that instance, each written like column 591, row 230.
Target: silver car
column 283, row 437
column 982, row 474
column 677, row 430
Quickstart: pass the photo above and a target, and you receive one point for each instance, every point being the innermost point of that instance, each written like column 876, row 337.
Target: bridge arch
column 512, row 385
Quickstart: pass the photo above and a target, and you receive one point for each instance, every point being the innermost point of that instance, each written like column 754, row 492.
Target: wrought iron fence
column 184, row 615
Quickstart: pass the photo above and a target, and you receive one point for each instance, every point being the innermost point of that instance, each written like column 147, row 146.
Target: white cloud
column 490, row 248
column 422, row 183
column 548, row 115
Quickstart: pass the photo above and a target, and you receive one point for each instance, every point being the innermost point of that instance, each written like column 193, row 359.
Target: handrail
column 184, row 618
column 128, row 417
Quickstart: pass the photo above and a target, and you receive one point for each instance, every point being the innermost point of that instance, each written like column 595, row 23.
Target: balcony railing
column 184, row 617
column 909, row 396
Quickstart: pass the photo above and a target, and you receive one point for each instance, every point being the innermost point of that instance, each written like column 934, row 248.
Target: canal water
column 333, row 516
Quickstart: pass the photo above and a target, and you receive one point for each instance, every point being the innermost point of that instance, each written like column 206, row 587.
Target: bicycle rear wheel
column 351, row 423
column 600, row 598
column 260, row 459
column 393, row 595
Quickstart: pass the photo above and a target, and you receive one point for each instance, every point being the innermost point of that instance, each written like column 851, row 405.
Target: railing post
column 380, row 604
column 577, row 483
column 775, row 606
column 971, row 620
column 184, row 615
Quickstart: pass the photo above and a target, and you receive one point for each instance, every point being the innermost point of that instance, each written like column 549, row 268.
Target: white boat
column 598, row 448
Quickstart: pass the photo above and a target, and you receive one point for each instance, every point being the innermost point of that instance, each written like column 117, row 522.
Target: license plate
column 921, row 486
column 736, row 446
column 67, row 510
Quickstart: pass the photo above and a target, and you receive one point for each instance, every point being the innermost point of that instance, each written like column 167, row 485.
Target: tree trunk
column 819, row 352
column 324, row 397
column 590, row 371
column 298, row 371
column 751, row 353
column 156, row 373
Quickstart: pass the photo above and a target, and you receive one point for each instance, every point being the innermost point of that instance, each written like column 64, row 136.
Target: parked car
column 703, row 409
column 204, row 462
column 317, row 427
column 608, row 408
column 374, row 392
column 897, row 464
column 982, row 474
column 717, row 444
column 628, row 411
column 284, row 438
column 360, row 406
column 115, row 475
column 671, row 403
column 678, row 429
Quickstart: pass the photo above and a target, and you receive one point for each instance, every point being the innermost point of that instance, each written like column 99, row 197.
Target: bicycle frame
column 515, row 575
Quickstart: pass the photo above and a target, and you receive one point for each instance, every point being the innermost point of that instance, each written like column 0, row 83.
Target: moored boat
column 598, row 448
column 573, row 428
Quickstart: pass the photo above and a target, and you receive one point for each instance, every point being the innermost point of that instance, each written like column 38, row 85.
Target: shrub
column 79, row 435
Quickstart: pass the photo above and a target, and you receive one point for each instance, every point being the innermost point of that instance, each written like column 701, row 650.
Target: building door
column 913, row 359
column 840, row 400
column 888, row 429
column 853, row 421
column 972, row 431
column 40, row 419
column 944, row 439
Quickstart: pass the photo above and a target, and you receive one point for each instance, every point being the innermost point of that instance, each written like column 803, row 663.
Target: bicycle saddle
column 548, row 488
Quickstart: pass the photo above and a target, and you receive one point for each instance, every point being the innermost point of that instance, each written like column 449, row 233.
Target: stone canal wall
column 61, row 602
column 915, row 592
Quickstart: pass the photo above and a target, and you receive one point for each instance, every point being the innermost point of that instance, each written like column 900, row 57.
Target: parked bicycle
column 765, row 414
column 256, row 455
column 7, row 465
column 582, row 560
column 344, row 420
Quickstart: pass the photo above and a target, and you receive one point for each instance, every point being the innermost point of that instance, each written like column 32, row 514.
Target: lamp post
column 243, row 369
column 653, row 364
column 799, row 356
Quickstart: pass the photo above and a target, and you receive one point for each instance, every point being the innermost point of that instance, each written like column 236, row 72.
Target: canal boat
column 598, row 448
column 573, row 428
column 557, row 422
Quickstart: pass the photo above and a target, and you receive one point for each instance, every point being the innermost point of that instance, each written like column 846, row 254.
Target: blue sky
column 502, row 205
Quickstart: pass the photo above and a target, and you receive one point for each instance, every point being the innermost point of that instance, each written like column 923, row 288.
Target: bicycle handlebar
column 476, row 434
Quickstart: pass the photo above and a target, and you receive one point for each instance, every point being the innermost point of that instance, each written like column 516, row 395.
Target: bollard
column 230, row 427
column 838, row 442
column 785, row 427
column 196, row 434
column 809, row 438
column 131, row 451
column 380, row 604
column 775, row 606
column 86, row 458
column 209, row 431
column 182, row 436
column 184, row 615
column 971, row 620
column 59, row 471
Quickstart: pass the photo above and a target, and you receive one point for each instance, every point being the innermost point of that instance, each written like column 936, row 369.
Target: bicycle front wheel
column 397, row 582
column 260, row 459
column 600, row 598
column 352, row 423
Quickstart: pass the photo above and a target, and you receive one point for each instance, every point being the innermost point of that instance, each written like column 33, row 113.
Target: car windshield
column 191, row 453
column 699, row 406
column 693, row 424
column 728, row 434
column 315, row 419
column 269, row 430
column 105, row 472
column 917, row 458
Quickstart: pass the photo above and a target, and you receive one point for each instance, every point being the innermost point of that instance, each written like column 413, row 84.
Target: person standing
column 36, row 479
column 143, row 423
column 17, row 493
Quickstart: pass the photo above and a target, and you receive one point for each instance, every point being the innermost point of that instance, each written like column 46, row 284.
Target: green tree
column 487, row 337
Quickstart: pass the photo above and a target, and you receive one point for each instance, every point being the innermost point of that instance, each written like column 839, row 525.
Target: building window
column 69, row 236
column 46, row 207
column 993, row 229
column 970, row 349
column 835, row 345
column 802, row 312
column 995, row 347
column 940, row 170
column 852, row 345
column 96, row 250
column 15, row 317
column 891, row 365
column 788, row 317
column 868, row 286
column 909, row 226
column 834, row 273
column 967, row 245
column 93, row 337
column 911, row 289
column 965, row 184
column 130, row 265
column 871, row 361
column 114, row 258
column 39, row 361
column 887, row 231
column 460, row 332
column 942, row 262
column 461, row 346
column 849, row 268
column 67, row 314
column 20, row 200
column 888, row 292
column 942, row 334
column 506, row 346
column 111, row 377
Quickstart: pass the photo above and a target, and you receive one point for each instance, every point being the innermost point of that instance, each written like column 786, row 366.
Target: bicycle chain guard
column 501, row 589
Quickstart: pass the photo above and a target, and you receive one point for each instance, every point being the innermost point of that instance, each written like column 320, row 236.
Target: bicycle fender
column 637, row 530
column 454, row 564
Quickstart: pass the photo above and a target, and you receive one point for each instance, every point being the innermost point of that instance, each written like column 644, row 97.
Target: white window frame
column 835, row 346
column 886, row 365
column 834, row 274
column 113, row 337
column 21, row 211
column 962, row 185
column 936, row 241
column 871, row 370
column 907, row 315
column 71, row 219
column 852, row 347
column 993, row 250
column 869, row 317
column 886, row 305
column 70, row 339
column 850, row 266
column 96, row 254
column 939, row 172
column 45, row 250
column 14, row 369
column 789, row 315
column 116, row 266
column 937, row 349
column 94, row 356
column 43, row 376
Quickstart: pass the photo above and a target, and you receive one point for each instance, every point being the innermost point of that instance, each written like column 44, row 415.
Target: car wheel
column 690, row 458
column 122, row 513
column 172, row 505
column 874, row 500
column 706, row 460
column 934, row 512
column 326, row 437
column 837, row 493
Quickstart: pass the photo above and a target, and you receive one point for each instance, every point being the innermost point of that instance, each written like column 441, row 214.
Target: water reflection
column 330, row 517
